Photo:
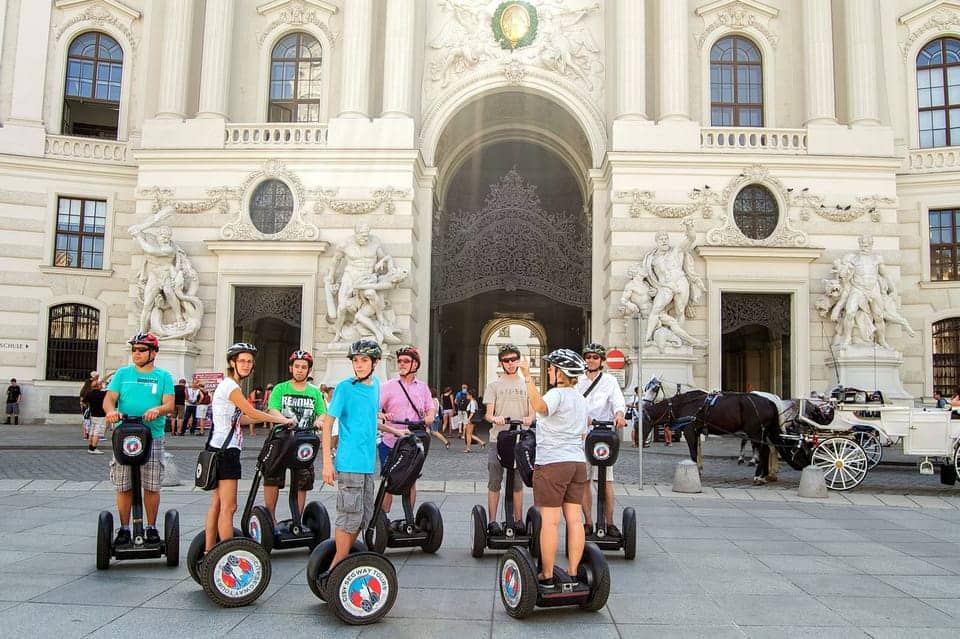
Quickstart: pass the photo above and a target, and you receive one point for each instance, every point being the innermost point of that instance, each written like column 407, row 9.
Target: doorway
column 269, row 318
column 756, row 343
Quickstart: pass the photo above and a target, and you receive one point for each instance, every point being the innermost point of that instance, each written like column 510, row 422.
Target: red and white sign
column 209, row 381
column 616, row 359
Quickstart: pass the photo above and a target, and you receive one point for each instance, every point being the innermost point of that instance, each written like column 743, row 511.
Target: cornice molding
column 129, row 11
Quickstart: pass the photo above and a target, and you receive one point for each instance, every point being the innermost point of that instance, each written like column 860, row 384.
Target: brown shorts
column 557, row 484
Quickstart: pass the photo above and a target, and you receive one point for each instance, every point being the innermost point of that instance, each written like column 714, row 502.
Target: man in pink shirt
column 403, row 398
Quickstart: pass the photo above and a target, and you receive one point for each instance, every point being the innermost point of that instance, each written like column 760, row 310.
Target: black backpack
column 403, row 464
column 525, row 453
column 463, row 403
column 275, row 452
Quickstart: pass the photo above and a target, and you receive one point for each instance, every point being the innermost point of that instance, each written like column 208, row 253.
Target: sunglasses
column 141, row 349
column 404, row 360
column 509, row 360
column 591, row 357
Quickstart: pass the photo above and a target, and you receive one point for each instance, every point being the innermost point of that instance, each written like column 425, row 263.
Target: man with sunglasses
column 140, row 390
column 605, row 402
column 505, row 398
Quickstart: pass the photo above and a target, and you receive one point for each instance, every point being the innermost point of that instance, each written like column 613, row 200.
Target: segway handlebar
column 411, row 424
column 601, row 423
column 130, row 419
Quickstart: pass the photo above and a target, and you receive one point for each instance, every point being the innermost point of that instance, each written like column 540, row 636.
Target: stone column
column 174, row 59
column 30, row 63
column 3, row 21
column 818, row 62
column 631, row 59
column 398, row 58
column 674, row 23
column 215, row 70
column 863, row 57
column 357, row 37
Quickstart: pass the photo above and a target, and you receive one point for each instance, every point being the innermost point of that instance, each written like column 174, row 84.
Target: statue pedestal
column 672, row 365
column 869, row 368
column 339, row 367
column 178, row 356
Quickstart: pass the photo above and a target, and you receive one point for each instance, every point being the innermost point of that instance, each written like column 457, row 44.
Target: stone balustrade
column 932, row 160
column 753, row 139
column 275, row 134
column 80, row 148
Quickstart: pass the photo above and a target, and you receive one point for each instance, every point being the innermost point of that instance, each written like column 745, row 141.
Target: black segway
column 511, row 532
column 362, row 588
column 131, row 447
column 602, row 446
column 424, row 530
column 291, row 450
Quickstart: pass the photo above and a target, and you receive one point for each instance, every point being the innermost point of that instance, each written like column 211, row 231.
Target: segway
column 424, row 530
column 602, row 446
column 291, row 450
column 131, row 447
column 512, row 533
column 362, row 588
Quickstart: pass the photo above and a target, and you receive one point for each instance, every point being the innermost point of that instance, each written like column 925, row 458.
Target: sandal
column 447, row 445
column 482, row 446
column 466, row 450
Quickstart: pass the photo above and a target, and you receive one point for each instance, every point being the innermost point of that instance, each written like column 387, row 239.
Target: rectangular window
column 944, row 244
column 81, row 225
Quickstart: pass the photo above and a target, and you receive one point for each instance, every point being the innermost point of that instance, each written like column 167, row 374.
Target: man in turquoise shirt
column 140, row 390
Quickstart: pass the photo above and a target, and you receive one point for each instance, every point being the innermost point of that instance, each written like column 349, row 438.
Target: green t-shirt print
column 305, row 405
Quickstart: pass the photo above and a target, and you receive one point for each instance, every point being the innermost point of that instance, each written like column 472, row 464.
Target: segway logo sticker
column 305, row 452
column 238, row 574
column 601, row 451
column 132, row 446
column 364, row 591
column 510, row 583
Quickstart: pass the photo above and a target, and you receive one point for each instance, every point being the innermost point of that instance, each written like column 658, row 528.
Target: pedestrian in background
column 13, row 402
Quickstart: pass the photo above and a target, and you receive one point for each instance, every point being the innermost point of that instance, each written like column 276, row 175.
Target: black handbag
column 208, row 462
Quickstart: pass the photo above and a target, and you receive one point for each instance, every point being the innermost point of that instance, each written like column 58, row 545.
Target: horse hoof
column 771, row 478
column 740, row 462
column 751, row 463
column 759, row 481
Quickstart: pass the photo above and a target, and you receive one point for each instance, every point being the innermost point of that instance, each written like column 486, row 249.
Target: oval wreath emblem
column 514, row 24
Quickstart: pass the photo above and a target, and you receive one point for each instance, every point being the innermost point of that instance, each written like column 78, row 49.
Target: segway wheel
column 319, row 563
column 518, row 582
column 171, row 537
column 235, row 572
column 376, row 536
column 428, row 518
column 629, row 532
column 479, row 532
column 597, row 571
column 260, row 528
column 534, row 524
column 104, row 539
column 195, row 553
column 315, row 518
column 362, row 588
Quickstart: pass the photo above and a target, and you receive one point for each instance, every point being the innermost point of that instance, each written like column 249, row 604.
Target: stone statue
column 460, row 44
column 566, row 45
column 354, row 287
column 167, row 283
column 861, row 299
column 661, row 290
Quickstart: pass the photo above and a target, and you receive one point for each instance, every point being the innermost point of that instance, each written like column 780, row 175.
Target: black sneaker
column 588, row 529
column 122, row 538
column 153, row 536
column 493, row 529
column 548, row 583
column 612, row 531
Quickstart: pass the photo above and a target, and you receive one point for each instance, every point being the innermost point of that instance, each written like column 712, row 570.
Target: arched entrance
column 756, row 343
column 268, row 317
column 511, row 233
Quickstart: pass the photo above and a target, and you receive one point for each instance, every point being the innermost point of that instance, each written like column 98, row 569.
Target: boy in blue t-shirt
column 140, row 390
column 356, row 404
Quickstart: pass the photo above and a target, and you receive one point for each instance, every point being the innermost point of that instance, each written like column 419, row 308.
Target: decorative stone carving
column 861, row 299
column 241, row 228
column 354, row 286
column 641, row 202
column 813, row 205
column 564, row 45
column 729, row 234
column 737, row 15
column 98, row 17
column 297, row 13
column 167, row 283
column 934, row 18
column 280, row 302
column 219, row 199
column 662, row 288
column 383, row 197
column 743, row 309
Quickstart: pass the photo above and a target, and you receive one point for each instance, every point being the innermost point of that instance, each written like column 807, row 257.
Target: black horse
column 747, row 415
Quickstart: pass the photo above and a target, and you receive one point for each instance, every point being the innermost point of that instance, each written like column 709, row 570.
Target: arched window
column 755, row 212
column 938, row 93
column 946, row 356
column 91, row 95
column 271, row 207
column 295, row 79
column 736, row 83
column 72, row 340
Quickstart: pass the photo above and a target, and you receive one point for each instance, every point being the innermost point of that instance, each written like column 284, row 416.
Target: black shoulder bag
column 208, row 461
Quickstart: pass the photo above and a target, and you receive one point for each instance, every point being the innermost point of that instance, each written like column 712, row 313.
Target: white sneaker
column 95, row 451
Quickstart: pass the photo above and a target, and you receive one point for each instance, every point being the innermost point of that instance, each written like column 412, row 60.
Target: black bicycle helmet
column 567, row 361
column 507, row 348
column 596, row 349
column 241, row 347
column 304, row 355
column 366, row 347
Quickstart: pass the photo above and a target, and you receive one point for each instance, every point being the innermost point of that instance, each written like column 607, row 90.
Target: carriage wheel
column 870, row 442
column 843, row 461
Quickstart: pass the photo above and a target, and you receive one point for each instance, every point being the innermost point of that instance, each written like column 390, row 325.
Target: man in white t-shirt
column 604, row 403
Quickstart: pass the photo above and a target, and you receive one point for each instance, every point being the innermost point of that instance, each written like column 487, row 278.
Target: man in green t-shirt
column 140, row 390
column 306, row 403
